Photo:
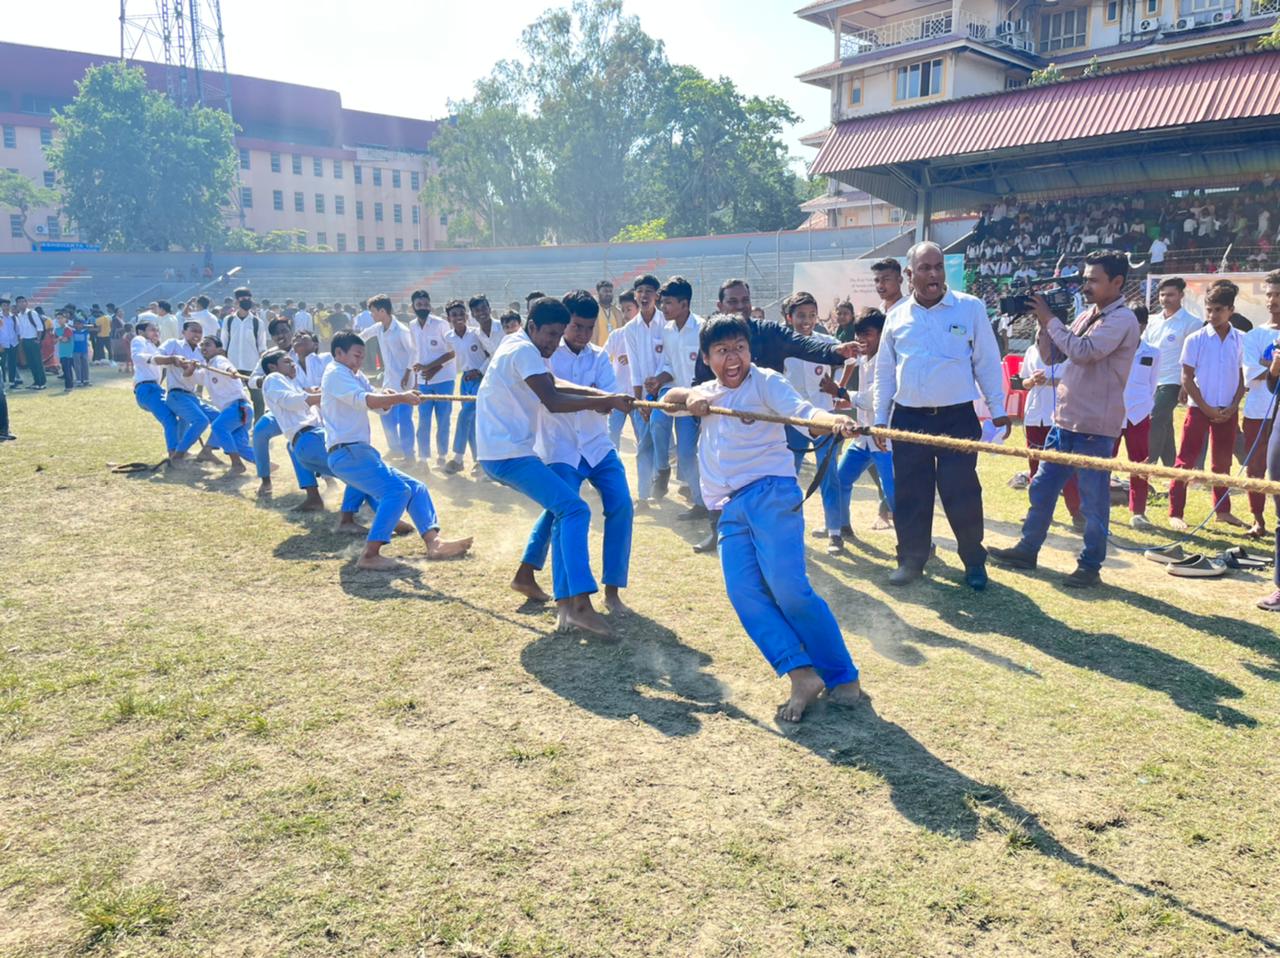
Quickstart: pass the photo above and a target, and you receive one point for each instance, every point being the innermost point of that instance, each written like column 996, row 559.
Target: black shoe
column 976, row 578
column 697, row 512
column 904, row 575
column 452, row 467
column 642, row 505
column 1013, row 558
column 847, row 531
column 7, row 437
column 708, row 544
column 1082, row 578
column 661, row 482
column 835, row 546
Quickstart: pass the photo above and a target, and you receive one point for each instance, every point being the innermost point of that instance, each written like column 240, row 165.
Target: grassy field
column 217, row 737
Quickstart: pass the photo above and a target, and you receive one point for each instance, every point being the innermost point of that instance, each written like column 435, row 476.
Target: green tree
column 21, row 194
column 655, row 229
column 137, row 171
column 1272, row 40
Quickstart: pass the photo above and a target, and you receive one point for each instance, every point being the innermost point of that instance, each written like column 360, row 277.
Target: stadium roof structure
column 1196, row 123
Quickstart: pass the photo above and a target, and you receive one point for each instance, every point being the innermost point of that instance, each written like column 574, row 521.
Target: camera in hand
column 1061, row 302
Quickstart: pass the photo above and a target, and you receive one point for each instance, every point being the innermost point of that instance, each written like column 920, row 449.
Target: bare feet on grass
column 206, row 455
column 806, row 686
column 1227, row 519
column 237, row 469
column 1177, row 524
column 848, row 693
column 403, row 529
column 1258, row 530
column 313, row 502
column 613, row 602
column 264, row 489
column 578, row 613
column 438, row 548
column 347, row 525
column 525, row 583
column 373, row 560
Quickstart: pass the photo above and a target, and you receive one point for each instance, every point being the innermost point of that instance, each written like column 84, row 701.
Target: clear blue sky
column 411, row 57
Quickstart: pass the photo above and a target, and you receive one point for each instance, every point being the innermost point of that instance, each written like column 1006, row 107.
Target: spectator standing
column 63, row 332
column 10, row 342
column 31, row 333
column 80, row 346
column 1041, row 380
column 244, row 337
column 1139, row 399
column 610, row 315
column 1167, row 332
column 302, row 320
column 101, row 334
column 1260, row 347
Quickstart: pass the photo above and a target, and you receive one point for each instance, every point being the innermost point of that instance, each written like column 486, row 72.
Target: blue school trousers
column 230, row 431
column 150, row 396
column 531, row 476
column 646, row 450
column 610, row 480
column 761, row 540
column 264, row 430
column 308, row 452
column 397, row 426
column 192, row 419
column 465, row 434
column 800, row 443
column 686, row 430
column 617, row 419
column 853, row 464
column 443, row 413
column 358, row 464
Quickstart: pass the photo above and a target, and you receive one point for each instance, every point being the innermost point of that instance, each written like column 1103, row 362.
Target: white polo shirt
column 208, row 322
column 644, row 347
column 468, row 350
column 806, row 377
column 288, row 403
column 1217, row 362
column 506, row 408
column 343, row 406
column 431, row 341
column 1168, row 334
column 169, row 326
column 491, row 340
column 398, row 353
column 616, row 347
column 244, row 347
column 1040, row 399
column 733, row 454
column 174, row 377
column 1257, row 401
column 1140, row 388
column 680, row 349
column 141, row 352
column 313, row 373
column 223, row 390
column 569, row 436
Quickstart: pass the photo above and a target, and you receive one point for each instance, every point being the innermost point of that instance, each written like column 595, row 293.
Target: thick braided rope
column 1148, row 470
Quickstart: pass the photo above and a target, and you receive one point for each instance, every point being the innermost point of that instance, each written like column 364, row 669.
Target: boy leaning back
column 748, row 472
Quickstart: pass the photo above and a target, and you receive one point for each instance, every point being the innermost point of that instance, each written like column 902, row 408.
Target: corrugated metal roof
column 1208, row 91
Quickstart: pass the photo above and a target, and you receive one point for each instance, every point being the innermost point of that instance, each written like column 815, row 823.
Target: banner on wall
column 834, row 281
column 1251, row 302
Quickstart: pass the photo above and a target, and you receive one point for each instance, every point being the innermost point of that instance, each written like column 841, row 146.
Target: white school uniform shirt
column 680, row 350
column 863, row 399
column 468, row 350
column 570, row 436
column 398, row 353
column 1257, row 401
column 1217, row 362
column 238, row 339
column 223, row 390
column 431, row 341
column 806, row 377
column 168, row 325
column 1168, row 334
column 288, row 403
column 644, row 348
column 141, row 352
column 616, row 347
column 317, row 363
column 932, row 357
column 174, row 376
column 362, row 321
column 343, row 407
column 302, row 320
column 488, row 342
column 208, row 322
column 9, row 337
column 1140, row 388
column 1040, row 399
column 733, row 454
column 506, row 408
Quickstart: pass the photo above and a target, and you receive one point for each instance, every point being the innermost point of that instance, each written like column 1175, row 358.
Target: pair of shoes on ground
column 1197, row 566
column 1015, row 558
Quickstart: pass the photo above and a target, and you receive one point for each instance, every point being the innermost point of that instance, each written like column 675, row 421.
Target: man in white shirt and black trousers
column 244, row 336
column 935, row 345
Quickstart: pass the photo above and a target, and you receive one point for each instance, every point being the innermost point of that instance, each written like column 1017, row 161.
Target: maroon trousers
column 1137, row 443
column 1257, row 464
column 1221, row 436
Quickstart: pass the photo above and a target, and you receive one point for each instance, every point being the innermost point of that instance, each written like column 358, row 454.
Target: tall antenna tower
column 185, row 37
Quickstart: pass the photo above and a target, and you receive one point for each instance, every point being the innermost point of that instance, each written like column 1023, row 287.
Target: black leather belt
column 342, row 445
column 933, row 410
column 294, row 441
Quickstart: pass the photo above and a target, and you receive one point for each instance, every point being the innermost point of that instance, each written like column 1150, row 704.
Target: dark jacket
column 772, row 344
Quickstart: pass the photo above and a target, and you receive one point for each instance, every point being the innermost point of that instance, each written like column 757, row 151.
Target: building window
column 300, row 238
column 395, row 179
column 15, row 225
column 1112, row 11
column 399, row 245
column 359, row 209
column 417, row 244
column 920, row 80
column 415, row 215
column 46, row 136
column 337, row 169
column 48, row 178
column 415, row 181
column 340, row 205
column 246, row 197
column 1153, row 8
column 1188, row 8
column 54, row 228
column 342, row 242
column 381, row 243
column 360, row 243
column 1063, row 30
column 853, row 86
column 244, row 158
column 275, row 163
column 396, row 215
column 10, row 138
column 377, row 212
column 357, row 171
column 322, row 239
column 299, row 203
column 277, row 200
column 444, row 219
column 319, row 202
column 317, row 166
column 377, row 176
column 1014, row 83
column 297, row 165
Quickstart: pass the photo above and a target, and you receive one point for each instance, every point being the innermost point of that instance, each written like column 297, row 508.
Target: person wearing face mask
column 244, row 335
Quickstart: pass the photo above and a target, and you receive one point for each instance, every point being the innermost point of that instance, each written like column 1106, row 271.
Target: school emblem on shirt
column 434, row 341
column 693, row 357
column 622, row 360
column 819, row 370
column 474, row 348
column 658, row 348
column 1171, row 337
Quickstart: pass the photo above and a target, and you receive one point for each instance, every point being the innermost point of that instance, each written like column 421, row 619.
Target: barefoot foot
column 850, row 693
column 806, row 686
column 377, row 563
column 1258, row 530
column 525, row 583
column 447, row 548
column 351, row 528
column 264, row 489
column 1227, row 519
column 313, row 502
column 578, row 613
column 1177, row 524
column 613, row 602
column 403, row 529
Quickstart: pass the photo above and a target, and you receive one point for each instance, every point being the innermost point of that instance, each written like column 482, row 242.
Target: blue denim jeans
column 853, row 463
column 360, row 466
column 442, row 412
column 192, row 419
column 610, row 480
column 762, row 557
column 1095, row 495
column 464, row 434
column 150, row 396
column 531, row 476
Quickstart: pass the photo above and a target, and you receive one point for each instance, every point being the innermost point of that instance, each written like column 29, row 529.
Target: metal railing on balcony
column 1261, row 8
column 939, row 25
